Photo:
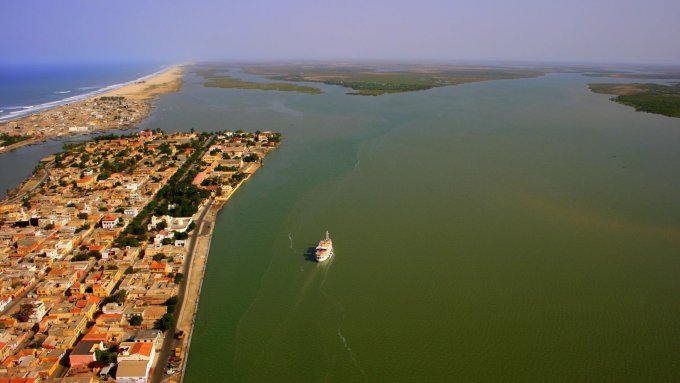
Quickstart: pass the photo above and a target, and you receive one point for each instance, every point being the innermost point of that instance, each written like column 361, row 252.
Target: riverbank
column 194, row 282
column 121, row 108
column 95, row 207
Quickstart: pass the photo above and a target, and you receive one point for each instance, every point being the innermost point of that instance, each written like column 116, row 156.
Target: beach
column 167, row 81
column 120, row 108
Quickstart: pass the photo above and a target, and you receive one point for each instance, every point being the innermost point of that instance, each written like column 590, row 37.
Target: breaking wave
column 20, row 111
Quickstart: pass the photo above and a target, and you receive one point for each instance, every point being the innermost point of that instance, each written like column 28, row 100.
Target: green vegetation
column 136, row 320
column 222, row 168
column 118, row 297
column 637, row 76
column 166, row 322
column 171, row 303
column 651, row 98
column 214, row 80
column 105, row 357
column 374, row 82
column 178, row 278
column 7, row 139
column 178, row 191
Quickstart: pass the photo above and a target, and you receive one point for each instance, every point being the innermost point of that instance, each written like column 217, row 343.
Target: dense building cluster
column 80, row 117
column 92, row 261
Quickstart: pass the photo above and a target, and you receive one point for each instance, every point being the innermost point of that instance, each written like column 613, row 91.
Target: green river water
column 506, row 231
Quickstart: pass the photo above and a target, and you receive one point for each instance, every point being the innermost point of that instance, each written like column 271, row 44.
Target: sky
column 594, row 31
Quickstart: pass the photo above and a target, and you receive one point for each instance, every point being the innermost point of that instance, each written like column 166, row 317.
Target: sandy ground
column 165, row 82
column 195, row 275
column 192, row 295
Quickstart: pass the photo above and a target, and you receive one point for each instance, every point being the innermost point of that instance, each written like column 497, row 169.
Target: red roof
column 142, row 348
column 157, row 265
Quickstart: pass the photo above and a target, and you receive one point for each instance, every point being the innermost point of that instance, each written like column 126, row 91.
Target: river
column 506, row 231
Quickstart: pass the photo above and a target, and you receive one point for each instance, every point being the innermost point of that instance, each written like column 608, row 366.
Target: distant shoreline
column 86, row 116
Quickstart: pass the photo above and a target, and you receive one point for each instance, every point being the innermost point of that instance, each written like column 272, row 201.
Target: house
column 178, row 224
column 134, row 361
column 133, row 371
column 148, row 336
column 154, row 312
column 133, row 211
column 85, row 181
column 132, row 351
column 4, row 302
column 109, row 222
column 38, row 311
column 83, row 353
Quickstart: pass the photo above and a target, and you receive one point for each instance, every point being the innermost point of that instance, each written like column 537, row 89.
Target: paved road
column 170, row 343
column 42, row 180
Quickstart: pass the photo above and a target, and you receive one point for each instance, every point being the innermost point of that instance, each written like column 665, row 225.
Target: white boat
column 325, row 249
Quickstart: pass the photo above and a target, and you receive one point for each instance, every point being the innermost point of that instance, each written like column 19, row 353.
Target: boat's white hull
column 324, row 257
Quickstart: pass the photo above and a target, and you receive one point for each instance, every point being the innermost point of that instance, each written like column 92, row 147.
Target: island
column 375, row 80
column 651, row 98
column 216, row 80
column 102, row 258
column 120, row 108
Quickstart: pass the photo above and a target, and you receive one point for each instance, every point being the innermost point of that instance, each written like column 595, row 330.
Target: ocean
column 26, row 89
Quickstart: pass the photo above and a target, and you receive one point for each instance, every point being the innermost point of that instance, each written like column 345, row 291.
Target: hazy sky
column 620, row 31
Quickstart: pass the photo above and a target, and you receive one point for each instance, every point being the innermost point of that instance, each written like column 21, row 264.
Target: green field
column 370, row 81
column 651, row 98
column 215, row 80
column 637, row 76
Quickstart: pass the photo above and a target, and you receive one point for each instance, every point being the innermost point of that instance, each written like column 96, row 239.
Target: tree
column 171, row 303
column 159, row 257
column 118, row 297
column 166, row 322
column 191, row 226
column 94, row 254
column 178, row 278
column 253, row 157
column 136, row 320
column 104, row 356
column 49, row 226
column 82, row 215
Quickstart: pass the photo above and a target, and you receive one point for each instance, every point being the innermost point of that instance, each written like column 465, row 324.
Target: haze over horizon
column 604, row 31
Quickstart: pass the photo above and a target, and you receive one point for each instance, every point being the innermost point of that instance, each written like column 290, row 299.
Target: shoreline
column 97, row 113
column 198, row 262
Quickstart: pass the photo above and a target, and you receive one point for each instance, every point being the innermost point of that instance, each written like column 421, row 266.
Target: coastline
column 195, row 275
column 89, row 116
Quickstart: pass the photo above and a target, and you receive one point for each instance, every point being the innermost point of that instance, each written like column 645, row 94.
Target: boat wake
column 290, row 238
column 349, row 350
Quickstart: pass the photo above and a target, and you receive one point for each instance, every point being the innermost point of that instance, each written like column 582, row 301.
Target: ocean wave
column 89, row 87
column 26, row 110
column 63, row 91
